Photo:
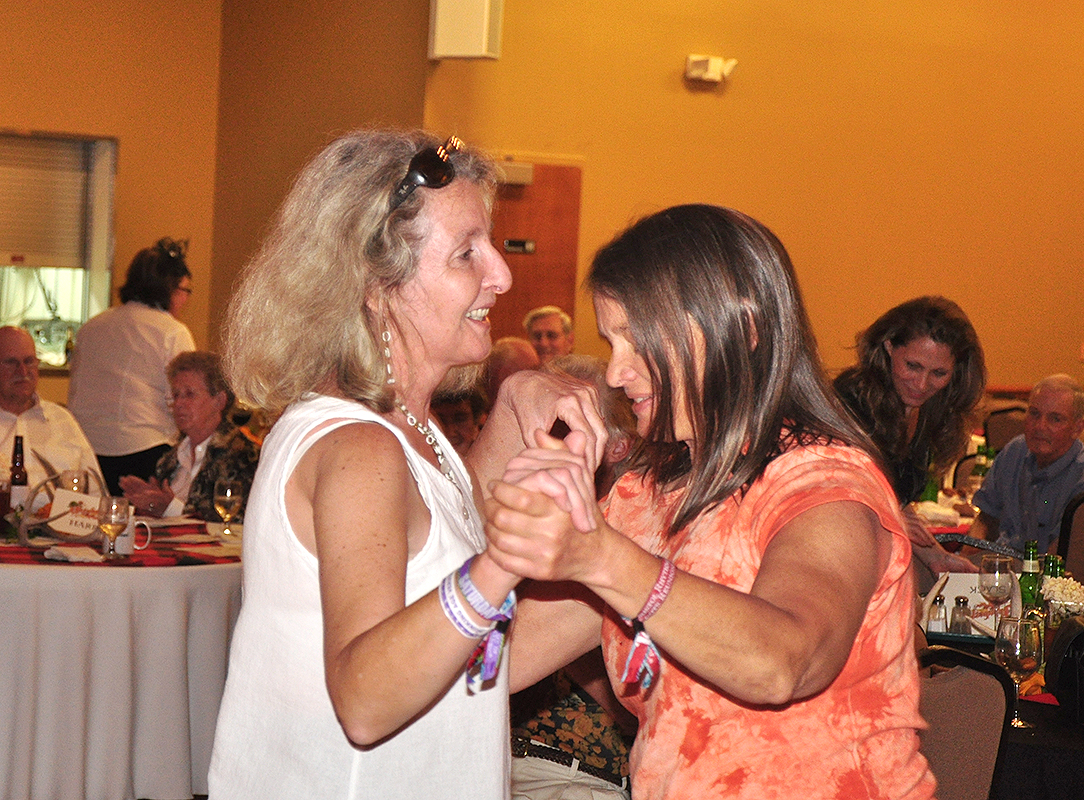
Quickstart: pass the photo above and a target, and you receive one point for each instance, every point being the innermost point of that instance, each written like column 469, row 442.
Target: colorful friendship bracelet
column 486, row 658
column 644, row 661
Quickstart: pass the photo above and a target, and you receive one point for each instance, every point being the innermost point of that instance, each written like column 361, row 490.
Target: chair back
column 1003, row 425
column 962, row 471
column 1071, row 538
column 968, row 708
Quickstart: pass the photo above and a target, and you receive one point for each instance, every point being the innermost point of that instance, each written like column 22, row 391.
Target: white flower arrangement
column 1065, row 598
column 1063, row 590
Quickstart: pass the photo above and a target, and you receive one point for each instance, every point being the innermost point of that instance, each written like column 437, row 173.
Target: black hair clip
column 174, row 248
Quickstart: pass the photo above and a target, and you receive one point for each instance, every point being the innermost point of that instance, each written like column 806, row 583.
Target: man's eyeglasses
column 431, row 168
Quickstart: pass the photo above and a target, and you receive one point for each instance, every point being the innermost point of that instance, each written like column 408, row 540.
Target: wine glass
column 112, row 519
column 996, row 580
column 228, row 498
column 1018, row 647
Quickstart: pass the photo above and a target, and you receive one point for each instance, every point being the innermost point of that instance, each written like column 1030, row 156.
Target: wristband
column 486, row 658
column 478, row 602
column 644, row 662
column 453, row 609
column 660, row 591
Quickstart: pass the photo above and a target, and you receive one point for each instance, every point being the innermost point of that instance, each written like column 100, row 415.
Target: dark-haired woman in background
column 920, row 374
column 118, row 389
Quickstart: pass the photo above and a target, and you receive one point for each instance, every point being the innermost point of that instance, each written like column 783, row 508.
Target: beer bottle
column 19, row 487
column 1055, row 567
column 982, row 462
column 1030, row 580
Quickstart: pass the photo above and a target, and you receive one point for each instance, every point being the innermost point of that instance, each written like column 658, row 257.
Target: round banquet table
column 111, row 676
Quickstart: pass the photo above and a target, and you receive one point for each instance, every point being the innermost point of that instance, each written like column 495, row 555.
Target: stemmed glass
column 1018, row 647
column 228, row 498
column 996, row 581
column 112, row 519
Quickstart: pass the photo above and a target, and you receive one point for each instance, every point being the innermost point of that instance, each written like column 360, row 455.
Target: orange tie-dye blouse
column 857, row 738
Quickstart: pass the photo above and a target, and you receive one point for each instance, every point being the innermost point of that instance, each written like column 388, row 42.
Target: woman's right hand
column 558, row 469
column 539, row 399
column 530, row 402
column 531, row 535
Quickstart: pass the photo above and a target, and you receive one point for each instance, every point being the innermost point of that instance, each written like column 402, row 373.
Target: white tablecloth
column 110, row 678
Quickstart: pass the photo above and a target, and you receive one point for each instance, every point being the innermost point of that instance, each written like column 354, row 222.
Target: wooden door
column 536, row 229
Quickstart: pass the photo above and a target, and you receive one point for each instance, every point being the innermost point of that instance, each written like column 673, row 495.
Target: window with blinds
column 56, row 209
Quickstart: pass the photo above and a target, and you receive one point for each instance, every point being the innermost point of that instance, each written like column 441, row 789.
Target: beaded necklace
column 430, row 439
column 445, row 465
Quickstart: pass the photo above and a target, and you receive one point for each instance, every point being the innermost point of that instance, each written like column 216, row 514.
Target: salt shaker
column 961, row 617
column 936, row 620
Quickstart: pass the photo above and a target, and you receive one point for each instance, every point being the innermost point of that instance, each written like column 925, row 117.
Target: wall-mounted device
column 711, row 69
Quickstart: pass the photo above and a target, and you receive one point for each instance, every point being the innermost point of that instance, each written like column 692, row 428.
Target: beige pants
column 538, row 779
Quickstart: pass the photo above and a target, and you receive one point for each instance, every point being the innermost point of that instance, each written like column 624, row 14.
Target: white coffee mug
column 126, row 543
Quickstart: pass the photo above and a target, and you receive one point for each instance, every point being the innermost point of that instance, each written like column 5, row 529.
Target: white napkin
column 187, row 538
column 74, row 552
column 937, row 514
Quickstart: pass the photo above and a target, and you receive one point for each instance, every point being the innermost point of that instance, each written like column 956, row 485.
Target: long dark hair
column 763, row 388
column 155, row 272
column 943, row 421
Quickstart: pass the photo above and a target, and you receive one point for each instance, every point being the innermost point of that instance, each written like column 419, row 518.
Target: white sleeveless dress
column 277, row 735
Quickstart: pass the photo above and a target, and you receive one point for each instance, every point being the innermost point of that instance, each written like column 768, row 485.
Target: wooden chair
column 962, row 471
column 1071, row 538
column 1003, row 425
column 968, row 707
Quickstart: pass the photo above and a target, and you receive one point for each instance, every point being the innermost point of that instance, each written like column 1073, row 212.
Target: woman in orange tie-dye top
column 750, row 580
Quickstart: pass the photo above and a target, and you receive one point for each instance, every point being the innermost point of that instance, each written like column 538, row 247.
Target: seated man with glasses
column 52, row 439
column 1035, row 475
column 212, row 447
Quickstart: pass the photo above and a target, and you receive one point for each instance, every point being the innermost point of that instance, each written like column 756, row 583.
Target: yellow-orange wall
column 216, row 105
column 145, row 72
column 897, row 149
column 295, row 75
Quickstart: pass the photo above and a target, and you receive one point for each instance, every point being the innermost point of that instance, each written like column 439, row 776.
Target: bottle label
column 1031, row 566
column 19, row 495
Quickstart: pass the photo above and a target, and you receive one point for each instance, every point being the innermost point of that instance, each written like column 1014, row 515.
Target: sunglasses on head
column 431, row 168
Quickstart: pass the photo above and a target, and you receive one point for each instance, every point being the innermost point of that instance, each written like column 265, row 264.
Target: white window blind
column 56, row 234
column 43, row 201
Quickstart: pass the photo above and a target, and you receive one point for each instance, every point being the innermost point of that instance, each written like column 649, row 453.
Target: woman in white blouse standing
column 119, row 392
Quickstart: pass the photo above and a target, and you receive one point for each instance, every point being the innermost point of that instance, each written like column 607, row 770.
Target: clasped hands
column 150, row 497
column 543, row 521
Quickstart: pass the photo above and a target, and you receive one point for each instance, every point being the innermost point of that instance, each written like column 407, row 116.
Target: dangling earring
column 386, row 338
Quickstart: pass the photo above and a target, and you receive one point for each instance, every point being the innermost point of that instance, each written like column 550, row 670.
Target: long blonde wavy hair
column 300, row 320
